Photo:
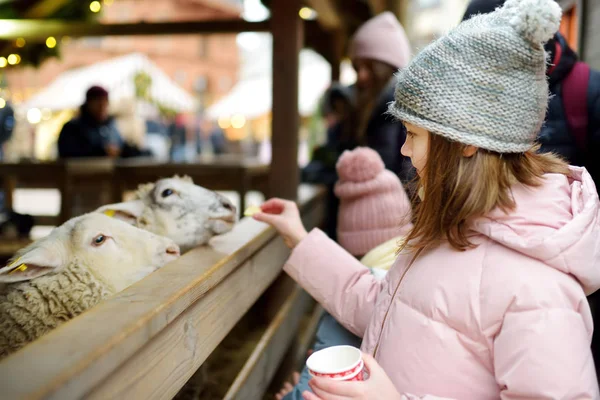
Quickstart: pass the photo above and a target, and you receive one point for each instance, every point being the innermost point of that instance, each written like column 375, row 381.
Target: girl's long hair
column 456, row 189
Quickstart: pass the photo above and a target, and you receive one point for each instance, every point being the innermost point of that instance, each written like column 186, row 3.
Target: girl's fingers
column 275, row 205
column 370, row 363
column 339, row 388
column 310, row 396
column 271, row 219
column 328, row 396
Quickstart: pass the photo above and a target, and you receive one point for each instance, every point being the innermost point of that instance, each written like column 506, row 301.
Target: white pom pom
column 537, row 20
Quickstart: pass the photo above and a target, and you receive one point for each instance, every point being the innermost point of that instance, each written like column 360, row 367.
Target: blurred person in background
column 7, row 124
column 571, row 131
column 210, row 134
column 93, row 133
column 378, row 49
column 177, row 133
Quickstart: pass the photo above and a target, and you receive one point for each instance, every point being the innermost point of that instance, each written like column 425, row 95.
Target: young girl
column 374, row 216
column 487, row 298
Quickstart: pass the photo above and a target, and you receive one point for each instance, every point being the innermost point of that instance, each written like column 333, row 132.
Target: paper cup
column 341, row 363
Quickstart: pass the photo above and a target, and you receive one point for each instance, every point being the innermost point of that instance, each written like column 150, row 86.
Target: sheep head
column 115, row 252
column 176, row 208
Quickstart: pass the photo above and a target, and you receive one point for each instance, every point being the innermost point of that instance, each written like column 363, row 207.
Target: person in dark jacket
column 378, row 49
column 93, row 133
column 556, row 135
column 7, row 124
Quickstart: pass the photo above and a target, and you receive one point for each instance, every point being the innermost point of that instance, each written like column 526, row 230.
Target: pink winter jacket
column 508, row 319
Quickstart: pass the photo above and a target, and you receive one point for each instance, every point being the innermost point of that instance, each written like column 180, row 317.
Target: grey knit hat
column 484, row 83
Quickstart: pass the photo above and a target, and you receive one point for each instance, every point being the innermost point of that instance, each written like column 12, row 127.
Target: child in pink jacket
column 487, row 299
column 374, row 216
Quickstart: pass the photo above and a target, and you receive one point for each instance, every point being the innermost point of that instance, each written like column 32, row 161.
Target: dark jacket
column 7, row 124
column 83, row 136
column 384, row 135
column 555, row 135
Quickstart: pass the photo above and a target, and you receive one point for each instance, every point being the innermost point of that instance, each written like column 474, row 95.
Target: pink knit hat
column 374, row 207
column 382, row 38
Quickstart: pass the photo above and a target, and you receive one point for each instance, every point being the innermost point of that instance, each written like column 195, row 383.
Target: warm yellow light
column 2, row 103
column 3, row 62
column 108, row 2
column 238, row 121
column 20, row 42
column 224, row 122
column 307, row 13
column 51, row 42
column 95, row 6
column 46, row 114
column 13, row 59
column 34, row 115
column 65, row 39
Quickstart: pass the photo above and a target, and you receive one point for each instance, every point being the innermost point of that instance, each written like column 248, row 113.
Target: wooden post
column 287, row 30
column 337, row 43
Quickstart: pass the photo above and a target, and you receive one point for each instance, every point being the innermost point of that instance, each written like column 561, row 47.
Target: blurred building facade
column 206, row 66
column 429, row 19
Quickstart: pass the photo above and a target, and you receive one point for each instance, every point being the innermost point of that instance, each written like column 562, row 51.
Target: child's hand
column 378, row 386
column 284, row 216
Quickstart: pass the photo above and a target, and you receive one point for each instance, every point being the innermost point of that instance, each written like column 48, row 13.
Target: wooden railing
column 147, row 341
column 110, row 178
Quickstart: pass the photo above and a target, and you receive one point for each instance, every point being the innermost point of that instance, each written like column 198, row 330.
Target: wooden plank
column 377, row 6
column 254, row 378
column 287, row 29
column 44, row 8
column 328, row 15
column 308, row 336
column 39, row 29
column 77, row 356
column 162, row 367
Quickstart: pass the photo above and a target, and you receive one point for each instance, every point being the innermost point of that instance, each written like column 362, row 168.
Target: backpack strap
column 575, row 102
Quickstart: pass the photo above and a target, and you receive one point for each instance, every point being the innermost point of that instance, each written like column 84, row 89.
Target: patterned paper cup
column 341, row 363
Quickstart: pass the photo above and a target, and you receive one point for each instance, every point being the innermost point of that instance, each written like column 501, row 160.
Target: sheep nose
column 173, row 250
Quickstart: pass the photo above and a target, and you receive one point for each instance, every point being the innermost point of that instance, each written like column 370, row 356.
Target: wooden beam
column 44, row 8
column 328, row 15
column 254, row 378
column 287, row 29
column 144, row 342
column 31, row 29
column 377, row 6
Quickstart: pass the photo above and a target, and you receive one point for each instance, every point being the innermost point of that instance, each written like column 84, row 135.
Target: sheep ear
column 128, row 211
column 31, row 264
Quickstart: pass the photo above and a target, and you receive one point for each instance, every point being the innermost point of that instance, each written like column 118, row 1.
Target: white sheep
column 83, row 261
column 176, row 208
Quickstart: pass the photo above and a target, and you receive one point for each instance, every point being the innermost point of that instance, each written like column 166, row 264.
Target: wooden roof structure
column 328, row 34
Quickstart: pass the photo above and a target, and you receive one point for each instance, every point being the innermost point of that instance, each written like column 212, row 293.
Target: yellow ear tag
column 110, row 213
column 250, row 211
column 21, row 268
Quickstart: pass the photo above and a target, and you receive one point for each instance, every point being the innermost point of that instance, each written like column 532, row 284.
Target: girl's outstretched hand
column 378, row 386
column 283, row 215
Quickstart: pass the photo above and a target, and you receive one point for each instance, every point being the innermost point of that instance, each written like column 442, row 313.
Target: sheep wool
column 30, row 309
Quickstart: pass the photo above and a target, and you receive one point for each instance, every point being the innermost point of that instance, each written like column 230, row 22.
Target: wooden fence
column 147, row 341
